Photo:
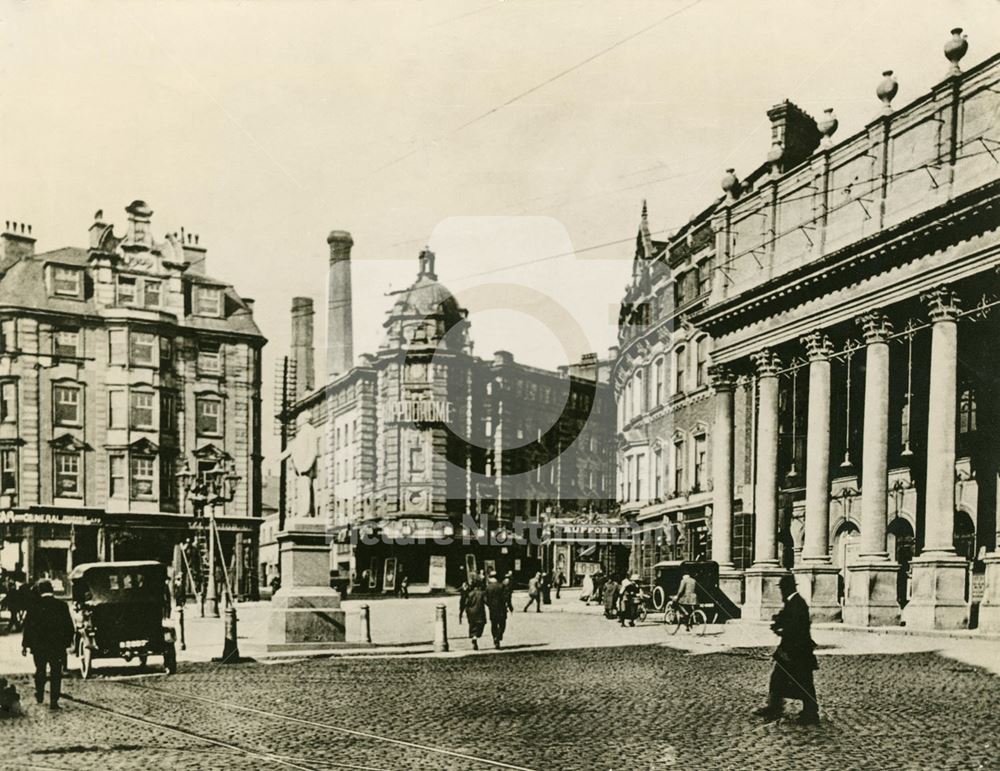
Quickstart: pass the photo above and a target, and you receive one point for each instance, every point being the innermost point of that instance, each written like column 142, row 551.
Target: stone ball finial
column 828, row 126
column 887, row 90
column 955, row 49
column 731, row 184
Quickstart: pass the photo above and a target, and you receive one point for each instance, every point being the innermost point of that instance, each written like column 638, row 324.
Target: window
column 168, row 479
column 66, row 282
column 117, row 346
column 8, row 471
column 209, row 359
column 141, row 411
column 117, row 408
column 417, row 460
column 700, row 450
column 8, row 335
column 658, row 474
column 638, row 398
column 116, row 475
column 8, row 402
column 680, row 370
column 640, row 460
column 142, row 348
column 967, row 411
column 151, row 293
column 702, row 372
column 208, row 416
column 67, row 465
column 168, row 412
column 679, row 466
column 166, row 354
column 126, row 290
column 705, row 276
column 66, row 342
column 66, row 405
column 658, row 373
column 142, row 477
column 208, row 301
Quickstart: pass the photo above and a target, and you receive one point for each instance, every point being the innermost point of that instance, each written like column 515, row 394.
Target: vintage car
column 667, row 579
column 120, row 610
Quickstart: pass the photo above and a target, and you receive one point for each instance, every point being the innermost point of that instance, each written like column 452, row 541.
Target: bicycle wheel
column 699, row 622
column 641, row 614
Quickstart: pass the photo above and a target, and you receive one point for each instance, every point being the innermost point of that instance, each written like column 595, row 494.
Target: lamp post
column 210, row 488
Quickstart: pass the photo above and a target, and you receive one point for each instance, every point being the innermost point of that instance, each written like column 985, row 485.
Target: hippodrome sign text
column 419, row 411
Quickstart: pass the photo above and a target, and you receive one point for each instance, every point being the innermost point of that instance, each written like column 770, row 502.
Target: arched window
column 679, row 452
column 680, row 369
column 967, row 411
column 658, row 380
column 638, row 400
column 702, row 371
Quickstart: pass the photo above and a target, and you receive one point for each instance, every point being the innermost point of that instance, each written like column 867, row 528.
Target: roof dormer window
column 67, row 282
column 208, row 301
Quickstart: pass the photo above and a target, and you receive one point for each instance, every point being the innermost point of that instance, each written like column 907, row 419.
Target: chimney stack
column 302, row 345
column 794, row 136
column 339, row 323
column 16, row 243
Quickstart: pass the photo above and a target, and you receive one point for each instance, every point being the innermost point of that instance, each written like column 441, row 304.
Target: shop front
column 47, row 543
column 577, row 549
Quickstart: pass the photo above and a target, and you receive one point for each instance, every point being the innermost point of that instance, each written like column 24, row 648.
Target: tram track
column 286, row 760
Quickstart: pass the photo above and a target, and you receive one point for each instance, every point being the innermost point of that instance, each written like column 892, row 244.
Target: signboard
column 470, row 565
column 36, row 518
column 389, row 576
column 419, row 411
column 586, row 568
column 437, row 571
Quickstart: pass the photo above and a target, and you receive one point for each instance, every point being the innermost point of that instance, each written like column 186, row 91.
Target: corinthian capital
column 722, row 377
column 942, row 304
column 767, row 363
column 818, row 346
column 875, row 326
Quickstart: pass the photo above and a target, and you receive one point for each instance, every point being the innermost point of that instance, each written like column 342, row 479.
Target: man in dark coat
column 496, row 601
column 475, row 612
column 48, row 632
column 794, row 659
column 508, row 590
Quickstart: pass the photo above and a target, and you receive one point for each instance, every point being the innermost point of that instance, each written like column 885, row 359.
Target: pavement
column 569, row 690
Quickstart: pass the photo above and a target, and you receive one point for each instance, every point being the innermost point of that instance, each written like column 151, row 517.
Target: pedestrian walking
column 610, row 598
column 560, row 582
column 475, row 613
column 534, row 593
column 508, row 590
column 404, row 585
column 48, row 632
column 794, row 658
column 547, row 587
column 600, row 580
column 586, row 588
column 628, row 600
column 496, row 602
column 463, row 597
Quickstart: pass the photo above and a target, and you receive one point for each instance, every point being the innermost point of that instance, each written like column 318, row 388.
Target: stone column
column 763, row 599
column 730, row 579
column 871, row 582
column 937, row 598
column 816, row 576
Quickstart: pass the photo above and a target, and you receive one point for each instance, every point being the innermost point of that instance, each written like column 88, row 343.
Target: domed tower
column 426, row 377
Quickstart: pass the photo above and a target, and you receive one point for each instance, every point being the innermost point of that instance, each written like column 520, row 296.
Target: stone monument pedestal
column 818, row 585
column 870, row 594
column 763, row 597
column 937, row 597
column 305, row 611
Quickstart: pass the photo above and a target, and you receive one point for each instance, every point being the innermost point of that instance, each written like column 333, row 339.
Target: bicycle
column 695, row 620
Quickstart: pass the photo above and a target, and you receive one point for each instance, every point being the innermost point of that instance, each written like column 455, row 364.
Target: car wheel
column 659, row 598
column 86, row 655
column 170, row 659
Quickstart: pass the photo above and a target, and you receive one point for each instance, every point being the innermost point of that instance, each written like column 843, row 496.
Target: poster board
column 470, row 565
column 437, row 572
column 389, row 577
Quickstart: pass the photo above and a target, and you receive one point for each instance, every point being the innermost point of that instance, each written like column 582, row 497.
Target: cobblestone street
column 643, row 706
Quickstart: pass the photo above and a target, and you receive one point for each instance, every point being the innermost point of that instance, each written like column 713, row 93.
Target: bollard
column 231, row 648
column 440, row 629
column 366, row 624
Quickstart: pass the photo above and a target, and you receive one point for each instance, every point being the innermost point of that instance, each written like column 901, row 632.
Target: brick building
column 423, row 456
column 851, row 312
column 121, row 362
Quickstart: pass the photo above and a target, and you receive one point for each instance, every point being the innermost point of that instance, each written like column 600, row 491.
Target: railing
column 902, row 164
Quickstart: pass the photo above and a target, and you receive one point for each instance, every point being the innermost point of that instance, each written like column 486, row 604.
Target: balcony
column 903, row 164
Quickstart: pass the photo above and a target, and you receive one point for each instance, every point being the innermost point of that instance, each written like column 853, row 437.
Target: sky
column 499, row 133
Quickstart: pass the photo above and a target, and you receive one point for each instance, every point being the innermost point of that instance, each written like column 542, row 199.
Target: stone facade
column 120, row 363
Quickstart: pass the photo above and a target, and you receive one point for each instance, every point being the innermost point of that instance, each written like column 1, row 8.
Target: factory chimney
column 302, row 346
column 339, row 326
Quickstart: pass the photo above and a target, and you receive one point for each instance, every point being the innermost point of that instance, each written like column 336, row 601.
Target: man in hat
column 496, row 601
column 794, row 660
column 48, row 632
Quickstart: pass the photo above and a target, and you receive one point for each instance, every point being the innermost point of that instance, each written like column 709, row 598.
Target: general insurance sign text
column 419, row 411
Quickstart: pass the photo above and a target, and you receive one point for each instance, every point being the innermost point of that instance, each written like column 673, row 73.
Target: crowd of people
column 622, row 597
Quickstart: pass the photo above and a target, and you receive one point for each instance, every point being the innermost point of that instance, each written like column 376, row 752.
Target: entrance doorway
column 901, row 545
